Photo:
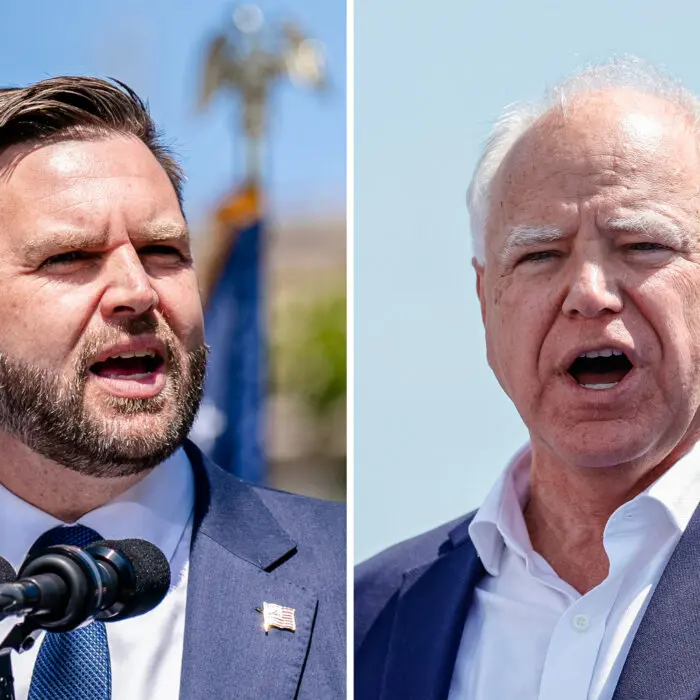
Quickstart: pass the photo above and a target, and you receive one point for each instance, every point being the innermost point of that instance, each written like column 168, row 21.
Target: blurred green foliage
column 309, row 353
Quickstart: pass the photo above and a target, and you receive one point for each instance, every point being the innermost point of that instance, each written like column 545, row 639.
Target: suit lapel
column 236, row 564
column 664, row 659
column 227, row 653
column 430, row 615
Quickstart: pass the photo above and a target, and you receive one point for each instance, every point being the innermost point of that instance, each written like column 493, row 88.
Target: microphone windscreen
column 7, row 573
column 151, row 573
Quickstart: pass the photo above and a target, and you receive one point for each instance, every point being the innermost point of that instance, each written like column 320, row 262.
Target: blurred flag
column 230, row 424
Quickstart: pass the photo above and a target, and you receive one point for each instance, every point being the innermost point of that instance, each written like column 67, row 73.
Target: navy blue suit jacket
column 412, row 601
column 251, row 545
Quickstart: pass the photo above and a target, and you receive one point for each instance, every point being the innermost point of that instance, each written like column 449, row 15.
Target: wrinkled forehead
column 92, row 155
column 76, row 194
column 604, row 139
column 83, row 181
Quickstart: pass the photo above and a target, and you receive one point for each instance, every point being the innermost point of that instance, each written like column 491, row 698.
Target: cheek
column 678, row 334
column 688, row 297
column 182, row 307
column 515, row 331
column 43, row 322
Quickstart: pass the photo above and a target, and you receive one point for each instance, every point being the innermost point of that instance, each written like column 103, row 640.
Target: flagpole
column 245, row 58
column 249, row 21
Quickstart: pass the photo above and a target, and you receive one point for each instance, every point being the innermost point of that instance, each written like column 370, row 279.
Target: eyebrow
column 651, row 225
column 74, row 239
column 525, row 235
column 166, row 231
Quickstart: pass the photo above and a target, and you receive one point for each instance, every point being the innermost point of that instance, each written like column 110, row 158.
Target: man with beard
column 102, row 360
column 577, row 578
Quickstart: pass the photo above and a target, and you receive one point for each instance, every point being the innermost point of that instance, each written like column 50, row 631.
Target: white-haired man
column 578, row 577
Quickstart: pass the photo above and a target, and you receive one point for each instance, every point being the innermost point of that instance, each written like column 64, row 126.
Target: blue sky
column 156, row 46
column 432, row 427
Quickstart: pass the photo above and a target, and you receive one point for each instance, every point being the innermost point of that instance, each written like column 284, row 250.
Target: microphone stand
column 21, row 638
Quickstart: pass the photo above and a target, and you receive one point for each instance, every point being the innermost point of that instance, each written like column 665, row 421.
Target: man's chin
column 602, row 445
column 121, row 450
column 136, row 426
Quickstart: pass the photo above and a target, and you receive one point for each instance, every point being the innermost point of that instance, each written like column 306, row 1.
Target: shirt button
column 581, row 622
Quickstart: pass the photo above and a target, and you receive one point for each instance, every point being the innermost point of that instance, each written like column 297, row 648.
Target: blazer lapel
column 664, row 659
column 236, row 564
column 430, row 615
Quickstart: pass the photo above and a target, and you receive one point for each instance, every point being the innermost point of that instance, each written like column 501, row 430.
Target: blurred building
column 306, row 410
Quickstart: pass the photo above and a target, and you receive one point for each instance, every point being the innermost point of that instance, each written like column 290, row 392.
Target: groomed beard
column 46, row 410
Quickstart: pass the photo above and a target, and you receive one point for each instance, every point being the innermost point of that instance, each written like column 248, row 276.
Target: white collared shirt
column 529, row 634
column 145, row 651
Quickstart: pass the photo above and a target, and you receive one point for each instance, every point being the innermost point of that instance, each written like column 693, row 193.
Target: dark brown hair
column 81, row 107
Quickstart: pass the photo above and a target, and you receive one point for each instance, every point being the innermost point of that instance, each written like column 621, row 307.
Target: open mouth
column 600, row 369
column 135, row 366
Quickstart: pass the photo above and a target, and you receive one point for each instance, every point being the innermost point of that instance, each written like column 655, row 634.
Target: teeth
column 599, row 387
column 605, row 352
column 138, row 353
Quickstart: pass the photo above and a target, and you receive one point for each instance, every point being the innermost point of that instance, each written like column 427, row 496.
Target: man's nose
column 593, row 290
column 128, row 290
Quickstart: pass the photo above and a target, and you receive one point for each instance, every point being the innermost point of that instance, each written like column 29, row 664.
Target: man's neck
column 53, row 488
column 569, row 508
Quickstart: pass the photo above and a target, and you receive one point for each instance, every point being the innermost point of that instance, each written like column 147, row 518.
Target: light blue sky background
column 432, row 427
column 156, row 47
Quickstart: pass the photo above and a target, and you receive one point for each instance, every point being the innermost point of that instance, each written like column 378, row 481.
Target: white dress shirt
column 145, row 651
column 530, row 635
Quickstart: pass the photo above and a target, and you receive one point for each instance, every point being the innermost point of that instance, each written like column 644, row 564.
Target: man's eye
column 165, row 250
column 646, row 246
column 63, row 258
column 540, row 256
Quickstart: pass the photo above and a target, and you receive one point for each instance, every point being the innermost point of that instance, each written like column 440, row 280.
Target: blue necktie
column 72, row 665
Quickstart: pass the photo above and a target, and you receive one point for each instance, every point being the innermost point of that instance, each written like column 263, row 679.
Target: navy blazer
column 251, row 545
column 412, row 601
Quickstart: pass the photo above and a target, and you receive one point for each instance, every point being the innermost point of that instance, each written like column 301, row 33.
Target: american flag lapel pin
column 277, row 616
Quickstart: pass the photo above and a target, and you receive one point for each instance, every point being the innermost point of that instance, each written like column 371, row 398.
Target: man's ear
column 479, row 269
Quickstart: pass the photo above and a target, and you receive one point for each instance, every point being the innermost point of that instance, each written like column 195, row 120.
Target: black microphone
column 7, row 573
column 61, row 587
column 143, row 577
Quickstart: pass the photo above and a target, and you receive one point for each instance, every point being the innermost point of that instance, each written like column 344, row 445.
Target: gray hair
column 626, row 72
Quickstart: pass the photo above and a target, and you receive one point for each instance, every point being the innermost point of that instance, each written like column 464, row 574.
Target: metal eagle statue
column 246, row 61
